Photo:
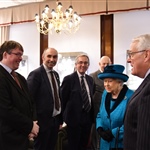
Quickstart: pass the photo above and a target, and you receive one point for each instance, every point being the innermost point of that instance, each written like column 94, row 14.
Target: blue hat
column 113, row 71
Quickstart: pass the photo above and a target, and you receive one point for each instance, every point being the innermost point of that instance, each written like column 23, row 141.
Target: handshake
column 105, row 134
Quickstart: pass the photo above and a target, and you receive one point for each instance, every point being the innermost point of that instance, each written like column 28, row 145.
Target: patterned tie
column 57, row 105
column 86, row 103
column 14, row 74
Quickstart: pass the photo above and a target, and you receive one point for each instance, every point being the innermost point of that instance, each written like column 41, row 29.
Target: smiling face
column 50, row 57
column 13, row 58
column 113, row 85
column 82, row 64
column 138, row 60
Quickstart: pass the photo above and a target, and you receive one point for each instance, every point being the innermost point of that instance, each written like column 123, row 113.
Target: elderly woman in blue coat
column 109, row 121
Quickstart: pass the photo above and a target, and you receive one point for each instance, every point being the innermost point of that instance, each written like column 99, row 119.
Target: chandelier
column 59, row 21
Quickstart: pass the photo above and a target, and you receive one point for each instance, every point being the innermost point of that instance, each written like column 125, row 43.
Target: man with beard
column 44, row 83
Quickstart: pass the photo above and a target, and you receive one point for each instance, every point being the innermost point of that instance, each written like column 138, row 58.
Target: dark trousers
column 95, row 138
column 78, row 136
column 116, row 149
column 47, row 138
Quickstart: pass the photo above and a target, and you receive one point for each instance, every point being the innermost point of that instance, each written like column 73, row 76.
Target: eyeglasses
column 131, row 54
column 81, row 62
column 17, row 54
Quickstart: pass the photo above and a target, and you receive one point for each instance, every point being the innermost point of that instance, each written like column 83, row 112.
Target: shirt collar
column 147, row 73
column 6, row 67
column 79, row 74
column 47, row 70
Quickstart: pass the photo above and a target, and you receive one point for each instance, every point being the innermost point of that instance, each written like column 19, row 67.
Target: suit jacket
column 137, row 119
column 16, row 112
column 41, row 91
column 72, row 98
column 99, row 88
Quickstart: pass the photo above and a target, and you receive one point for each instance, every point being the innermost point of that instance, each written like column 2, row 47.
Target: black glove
column 105, row 134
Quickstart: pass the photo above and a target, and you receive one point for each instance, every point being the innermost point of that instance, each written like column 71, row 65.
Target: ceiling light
column 68, row 22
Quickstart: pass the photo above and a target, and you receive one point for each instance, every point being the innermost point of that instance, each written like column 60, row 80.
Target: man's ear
column 147, row 55
column 5, row 55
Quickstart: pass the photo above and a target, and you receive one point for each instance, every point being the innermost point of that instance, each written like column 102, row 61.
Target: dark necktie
column 85, row 97
column 55, row 91
column 14, row 74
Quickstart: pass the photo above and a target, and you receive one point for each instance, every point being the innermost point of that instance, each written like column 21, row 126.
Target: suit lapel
column 89, row 84
column 44, row 74
column 75, row 82
column 13, row 82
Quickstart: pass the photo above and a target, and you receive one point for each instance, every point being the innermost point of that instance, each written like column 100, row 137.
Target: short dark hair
column 8, row 46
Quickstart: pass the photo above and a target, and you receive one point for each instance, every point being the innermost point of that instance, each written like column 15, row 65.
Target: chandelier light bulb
column 59, row 6
column 70, row 9
column 42, row 23
column 67, row 13
column 70, row 24
column 36, row 18
column 50, row 25
column 44, row 14
column 46, row 9
column 53, row 13
column 67, row 22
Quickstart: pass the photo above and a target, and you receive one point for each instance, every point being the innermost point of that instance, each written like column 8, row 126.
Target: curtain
column 26, row 13
column 4, row 33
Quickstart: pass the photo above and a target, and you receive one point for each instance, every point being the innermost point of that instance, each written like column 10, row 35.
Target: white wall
column 86, row 39
column 29, row 37
column 126, row 26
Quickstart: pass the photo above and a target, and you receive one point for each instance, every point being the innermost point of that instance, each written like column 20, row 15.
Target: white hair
column 142, row 42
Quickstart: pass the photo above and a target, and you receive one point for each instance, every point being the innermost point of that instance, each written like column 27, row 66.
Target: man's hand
column 35, row 130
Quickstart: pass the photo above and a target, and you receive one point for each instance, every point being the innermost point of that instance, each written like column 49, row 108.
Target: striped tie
column 86, row 103
column 57, row 105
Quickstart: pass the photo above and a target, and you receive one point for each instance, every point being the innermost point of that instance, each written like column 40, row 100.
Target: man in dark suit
column 137, row 118
column 47, row 99
column 16, row 105
column 99, row 88
column 75, row 114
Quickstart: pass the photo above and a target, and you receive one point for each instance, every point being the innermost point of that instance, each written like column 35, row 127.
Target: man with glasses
column 77, row 107
column 16, row 106
column 137, row 118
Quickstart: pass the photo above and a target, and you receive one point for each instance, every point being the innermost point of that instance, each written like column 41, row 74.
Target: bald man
column 99, row 87
column 44, row 85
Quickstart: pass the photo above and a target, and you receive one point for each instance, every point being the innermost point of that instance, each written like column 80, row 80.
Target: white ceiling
column 10, row 3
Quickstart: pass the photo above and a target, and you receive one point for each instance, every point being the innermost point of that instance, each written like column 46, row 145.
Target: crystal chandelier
column 68, row 22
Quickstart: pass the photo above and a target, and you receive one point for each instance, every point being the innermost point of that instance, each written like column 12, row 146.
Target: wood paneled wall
column 107, row 36
column 43, row 45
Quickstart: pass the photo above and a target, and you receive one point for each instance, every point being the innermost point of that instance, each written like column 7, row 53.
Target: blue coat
column 114, row 121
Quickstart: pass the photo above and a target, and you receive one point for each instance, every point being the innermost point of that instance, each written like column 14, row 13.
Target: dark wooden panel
column 107, row 35
column 43, row 45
